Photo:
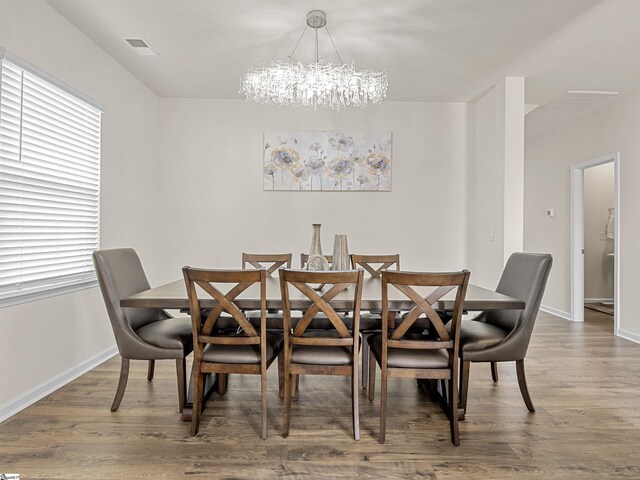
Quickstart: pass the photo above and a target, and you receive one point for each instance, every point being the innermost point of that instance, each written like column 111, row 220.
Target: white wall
column 548, row 158
column 213, row 185
column 43, row 340
column 598, row 266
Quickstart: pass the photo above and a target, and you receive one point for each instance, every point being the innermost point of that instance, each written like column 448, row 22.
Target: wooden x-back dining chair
column 331, row 351
column 405, row 354
column 370, row 321
column 247, row 350
column 271, row 262
column 376, row 264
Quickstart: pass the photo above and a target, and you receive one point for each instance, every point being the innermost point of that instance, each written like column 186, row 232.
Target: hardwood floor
column 582, row 379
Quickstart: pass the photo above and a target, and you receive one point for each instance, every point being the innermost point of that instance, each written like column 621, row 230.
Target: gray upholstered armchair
column 503, row 335
column 141, row 333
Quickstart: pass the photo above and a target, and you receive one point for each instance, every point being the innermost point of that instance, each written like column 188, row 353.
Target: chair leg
column 365, row 360
column 494, row 371
column 296, row 385
column 522, row 383
column 453, row 410
column 281, row 374
column 181, row 372
column 355, row 399
column 122, row 384
column 464, row 386
column 198, row 387
column 288, row 386
column 223, row 379
column 372, row 377
column 263, row 404
column 383, row 404
column 150, row 369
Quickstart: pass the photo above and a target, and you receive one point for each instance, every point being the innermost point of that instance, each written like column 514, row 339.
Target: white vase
column 316, row 261
column 341, row 260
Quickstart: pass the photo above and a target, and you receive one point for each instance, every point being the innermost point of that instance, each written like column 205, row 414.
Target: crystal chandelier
column 314, row 85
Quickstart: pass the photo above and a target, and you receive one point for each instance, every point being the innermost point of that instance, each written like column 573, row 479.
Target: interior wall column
column 496, row 181
column 510, row 110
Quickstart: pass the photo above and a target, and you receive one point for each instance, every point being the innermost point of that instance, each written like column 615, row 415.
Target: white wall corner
column 38, row 392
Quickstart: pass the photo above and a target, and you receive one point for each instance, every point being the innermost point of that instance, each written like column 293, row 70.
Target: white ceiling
column 433, row 50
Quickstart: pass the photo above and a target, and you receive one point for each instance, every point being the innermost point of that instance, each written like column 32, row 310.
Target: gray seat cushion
column 173, row 333
column 316, row 355
column 236, row 354
column 321, row 355
column 476, row 336
column 408, row 358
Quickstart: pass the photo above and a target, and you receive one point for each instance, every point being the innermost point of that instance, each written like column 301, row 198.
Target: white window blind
column 49, row 187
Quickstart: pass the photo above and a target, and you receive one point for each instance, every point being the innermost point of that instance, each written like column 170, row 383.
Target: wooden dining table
column 173, row 296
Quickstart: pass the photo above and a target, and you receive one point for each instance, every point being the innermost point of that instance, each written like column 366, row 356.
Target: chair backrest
column 271, row 262
column 333, row 284
column 202, row 283
column 304, row 258
column 375, row 264
column 444, row 282
column 120, row 274
column 524, row 277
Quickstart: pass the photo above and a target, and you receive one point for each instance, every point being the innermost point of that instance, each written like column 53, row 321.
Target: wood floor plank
column 582, row 379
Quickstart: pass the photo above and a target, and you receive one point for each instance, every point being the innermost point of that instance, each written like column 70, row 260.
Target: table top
column 174, row 296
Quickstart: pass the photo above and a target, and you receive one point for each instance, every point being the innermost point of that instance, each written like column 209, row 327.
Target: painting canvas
column 327, row 161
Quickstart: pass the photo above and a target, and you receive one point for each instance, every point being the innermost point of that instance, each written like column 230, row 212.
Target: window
column 49, row 185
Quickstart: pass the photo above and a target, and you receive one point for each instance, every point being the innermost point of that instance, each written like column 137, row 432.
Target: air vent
column 577, row 101
column 140, row 46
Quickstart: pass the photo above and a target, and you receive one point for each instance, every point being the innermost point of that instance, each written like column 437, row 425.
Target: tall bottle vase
column 316, row 261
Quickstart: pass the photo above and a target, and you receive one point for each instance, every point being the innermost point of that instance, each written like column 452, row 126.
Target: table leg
column 210, row 385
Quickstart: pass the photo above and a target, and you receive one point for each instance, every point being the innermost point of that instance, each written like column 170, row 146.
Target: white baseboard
column 634, row 337
column 556, row 312
column 29, row 397
column 598, row 300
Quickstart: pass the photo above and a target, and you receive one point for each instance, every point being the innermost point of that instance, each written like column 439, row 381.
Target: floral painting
column 327, row 161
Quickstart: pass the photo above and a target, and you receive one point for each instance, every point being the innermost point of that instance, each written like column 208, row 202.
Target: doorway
column 609, row 234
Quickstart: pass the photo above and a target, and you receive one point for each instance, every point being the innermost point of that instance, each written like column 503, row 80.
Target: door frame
column 577, row 236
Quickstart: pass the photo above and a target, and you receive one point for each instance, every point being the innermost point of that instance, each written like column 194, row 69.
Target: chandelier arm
column 298, row 43
column 334, row 46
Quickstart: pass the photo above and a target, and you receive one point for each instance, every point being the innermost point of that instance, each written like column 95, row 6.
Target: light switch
column 551, row 212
